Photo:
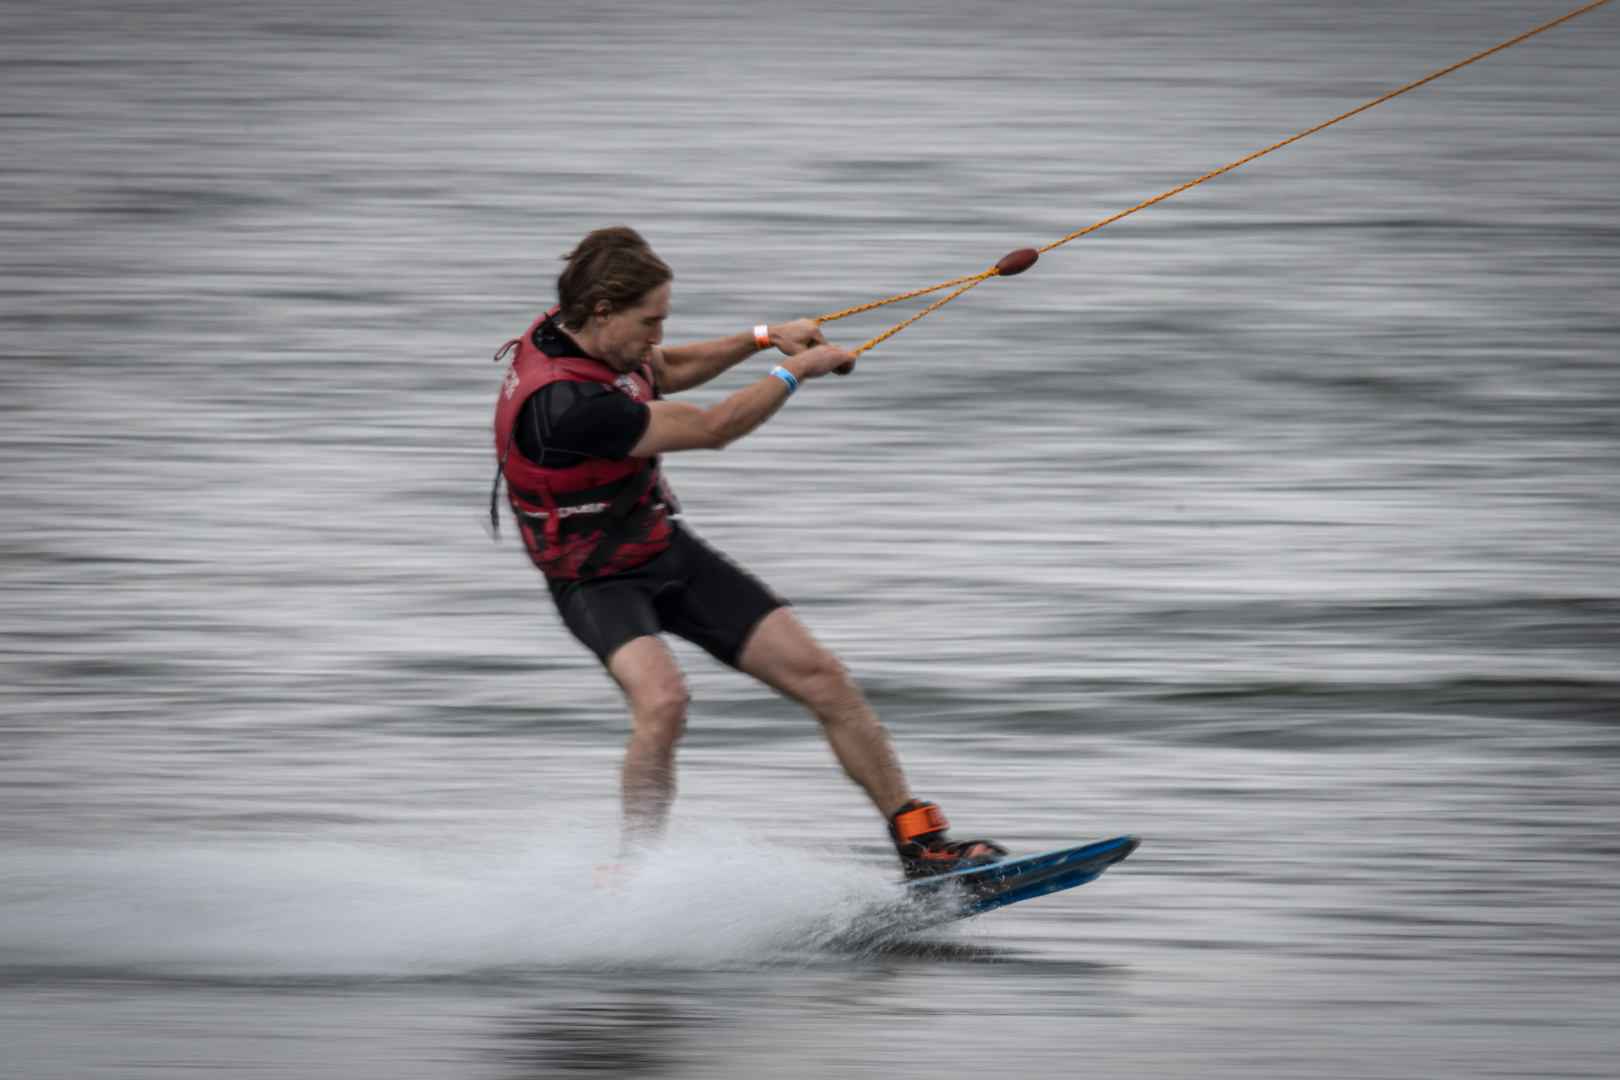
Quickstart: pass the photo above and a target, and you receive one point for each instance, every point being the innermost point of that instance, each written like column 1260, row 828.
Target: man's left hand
column 795, row 337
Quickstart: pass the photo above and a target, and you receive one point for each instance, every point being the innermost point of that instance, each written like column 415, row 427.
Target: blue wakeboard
column 982, row 888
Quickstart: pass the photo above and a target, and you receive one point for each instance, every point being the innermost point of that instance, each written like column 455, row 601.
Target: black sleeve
column 600, row 425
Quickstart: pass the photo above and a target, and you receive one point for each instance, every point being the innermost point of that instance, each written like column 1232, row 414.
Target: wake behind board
column 983, row 888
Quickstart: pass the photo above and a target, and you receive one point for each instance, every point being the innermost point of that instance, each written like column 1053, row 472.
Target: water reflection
column 791, row 1021
column 635, row 1033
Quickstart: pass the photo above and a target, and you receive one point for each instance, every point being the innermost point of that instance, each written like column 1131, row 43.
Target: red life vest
column 592, row 518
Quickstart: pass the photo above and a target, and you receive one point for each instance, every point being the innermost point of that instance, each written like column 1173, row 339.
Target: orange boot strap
column 924, row 819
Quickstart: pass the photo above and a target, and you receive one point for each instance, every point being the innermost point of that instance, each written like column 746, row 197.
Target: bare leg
column 781, row 654
column 653, row 684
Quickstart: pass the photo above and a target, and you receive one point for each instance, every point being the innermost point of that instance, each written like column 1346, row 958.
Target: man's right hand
column 817, row 361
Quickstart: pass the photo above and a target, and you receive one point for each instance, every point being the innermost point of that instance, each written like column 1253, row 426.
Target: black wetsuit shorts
column 688, row 589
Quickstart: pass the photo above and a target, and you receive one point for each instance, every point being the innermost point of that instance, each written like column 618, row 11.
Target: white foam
column 708, row 898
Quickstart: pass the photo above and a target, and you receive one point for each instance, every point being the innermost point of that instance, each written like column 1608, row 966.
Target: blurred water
column 1277, row 523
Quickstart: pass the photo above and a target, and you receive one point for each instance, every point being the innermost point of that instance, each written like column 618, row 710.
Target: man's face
column 627, row 336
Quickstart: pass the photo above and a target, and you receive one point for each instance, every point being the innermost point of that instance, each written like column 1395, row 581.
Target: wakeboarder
column 581, row 421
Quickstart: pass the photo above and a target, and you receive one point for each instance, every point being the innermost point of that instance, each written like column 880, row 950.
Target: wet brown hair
column 613, row 264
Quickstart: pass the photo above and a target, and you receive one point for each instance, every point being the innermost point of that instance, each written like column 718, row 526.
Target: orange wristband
column 762, row 336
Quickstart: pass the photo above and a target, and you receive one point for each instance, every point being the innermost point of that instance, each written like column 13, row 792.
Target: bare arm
column 680, row 425
column 681, row 367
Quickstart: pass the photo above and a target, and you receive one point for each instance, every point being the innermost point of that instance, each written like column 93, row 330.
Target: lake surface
column 1278, row 524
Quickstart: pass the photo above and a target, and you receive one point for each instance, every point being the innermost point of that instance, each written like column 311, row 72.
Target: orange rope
column 993, row 271
column 893, row 330
column 902, row 296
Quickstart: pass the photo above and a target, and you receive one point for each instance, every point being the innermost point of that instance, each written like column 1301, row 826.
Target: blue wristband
column 787, row 378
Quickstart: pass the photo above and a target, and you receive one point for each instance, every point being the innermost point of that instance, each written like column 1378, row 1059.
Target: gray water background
column 1276, row 524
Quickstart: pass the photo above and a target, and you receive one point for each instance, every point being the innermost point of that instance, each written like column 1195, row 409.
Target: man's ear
column 604, row 308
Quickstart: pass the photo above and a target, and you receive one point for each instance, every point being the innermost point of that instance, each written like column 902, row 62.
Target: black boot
column 919, row 828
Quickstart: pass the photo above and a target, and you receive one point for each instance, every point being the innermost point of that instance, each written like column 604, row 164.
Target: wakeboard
column 983, row 888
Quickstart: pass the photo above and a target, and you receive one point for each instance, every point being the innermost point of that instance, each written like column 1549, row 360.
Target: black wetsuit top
column 563, row 423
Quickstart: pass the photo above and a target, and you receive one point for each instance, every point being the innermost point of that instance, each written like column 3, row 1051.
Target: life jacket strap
column 495, row 488
column 630, row 507
column 583, row 497
column 625, row 522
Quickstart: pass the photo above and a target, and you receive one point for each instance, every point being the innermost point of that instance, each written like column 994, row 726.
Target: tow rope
column 1016, row 262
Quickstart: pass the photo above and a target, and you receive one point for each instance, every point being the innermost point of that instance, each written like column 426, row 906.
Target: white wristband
column 762, row 336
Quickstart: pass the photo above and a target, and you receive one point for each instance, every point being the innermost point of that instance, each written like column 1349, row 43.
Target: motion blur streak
column 1278, row 525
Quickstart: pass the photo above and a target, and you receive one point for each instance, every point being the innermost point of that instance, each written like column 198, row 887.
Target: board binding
column 985, row 888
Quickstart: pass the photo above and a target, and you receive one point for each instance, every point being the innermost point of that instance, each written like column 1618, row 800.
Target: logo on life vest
column 628, row 385
column 509, row 384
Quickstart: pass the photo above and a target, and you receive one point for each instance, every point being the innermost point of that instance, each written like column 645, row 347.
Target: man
column 580, row 423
